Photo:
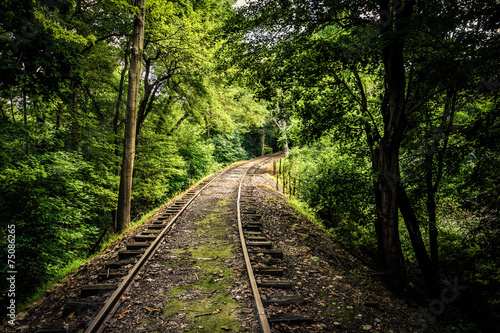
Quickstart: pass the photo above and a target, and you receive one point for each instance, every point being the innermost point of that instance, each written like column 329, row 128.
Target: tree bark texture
column 394, row 118
column 125, row 191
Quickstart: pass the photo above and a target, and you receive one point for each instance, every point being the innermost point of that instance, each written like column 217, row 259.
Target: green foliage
column 227, row 148
column 334, row 182
column 268, row 150
column 57, row 214
column 198, row 154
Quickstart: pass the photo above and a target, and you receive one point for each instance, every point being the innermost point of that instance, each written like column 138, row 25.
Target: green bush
column 336, row 184
column 228, row 148
column 56, row 211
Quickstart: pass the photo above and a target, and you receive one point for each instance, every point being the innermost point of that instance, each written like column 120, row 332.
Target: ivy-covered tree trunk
column 125, row 191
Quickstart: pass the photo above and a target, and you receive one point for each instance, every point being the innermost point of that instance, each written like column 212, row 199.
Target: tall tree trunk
column 393, row 30
column 125, row 191
column 12, row 110
column 263, row 140
column 431, row 212
column 393, row 113
column 116, row 120
column 388, row 182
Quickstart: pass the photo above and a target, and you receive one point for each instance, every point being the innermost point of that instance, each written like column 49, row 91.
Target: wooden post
column 278, row 176
column 284, row 179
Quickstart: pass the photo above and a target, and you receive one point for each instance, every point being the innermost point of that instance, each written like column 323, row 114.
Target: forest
column 387, row 112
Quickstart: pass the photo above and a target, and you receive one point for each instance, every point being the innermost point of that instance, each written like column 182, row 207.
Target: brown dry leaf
column 216, row 311
column 71, row 315
column 149, row 309
column 225, row 328
column 59, row 314
column 121, row 315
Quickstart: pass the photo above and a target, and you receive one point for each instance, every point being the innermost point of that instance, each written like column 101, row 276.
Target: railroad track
column 266, row 277
column 196, row 279
column 117, row 275
column 269, row 287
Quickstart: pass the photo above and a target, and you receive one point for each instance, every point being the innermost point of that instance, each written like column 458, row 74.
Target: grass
column 299, row 206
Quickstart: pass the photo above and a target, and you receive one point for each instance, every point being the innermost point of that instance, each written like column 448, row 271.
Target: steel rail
column 261, row 313
column 112, row 304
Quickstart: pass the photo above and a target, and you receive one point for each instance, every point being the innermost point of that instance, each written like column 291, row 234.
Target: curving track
column 107, row 298
column 229, row 254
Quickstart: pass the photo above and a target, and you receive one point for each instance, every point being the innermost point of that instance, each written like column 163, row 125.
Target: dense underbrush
column 336, row 184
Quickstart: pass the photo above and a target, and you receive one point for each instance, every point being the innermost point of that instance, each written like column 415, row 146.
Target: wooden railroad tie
column 78, row 306
column 270, row 271
column 254, row 226
column 156, row 226
column 252, row 238
column 137, row 245
column 144, row 238
column 95, row 289
column 282, row 300
column 280, row 284
column 109, row 274
column 278, row 318
column 261, row 244
column 275, row 253
column 129, row 254
column 150, row 231
column 117, row 264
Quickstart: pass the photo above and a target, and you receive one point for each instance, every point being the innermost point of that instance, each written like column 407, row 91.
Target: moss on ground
column 211, row 307
column 207, row 314
column 212, row 225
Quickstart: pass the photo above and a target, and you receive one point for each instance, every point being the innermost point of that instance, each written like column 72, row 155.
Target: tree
column 125, row 192
column 385, row 40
